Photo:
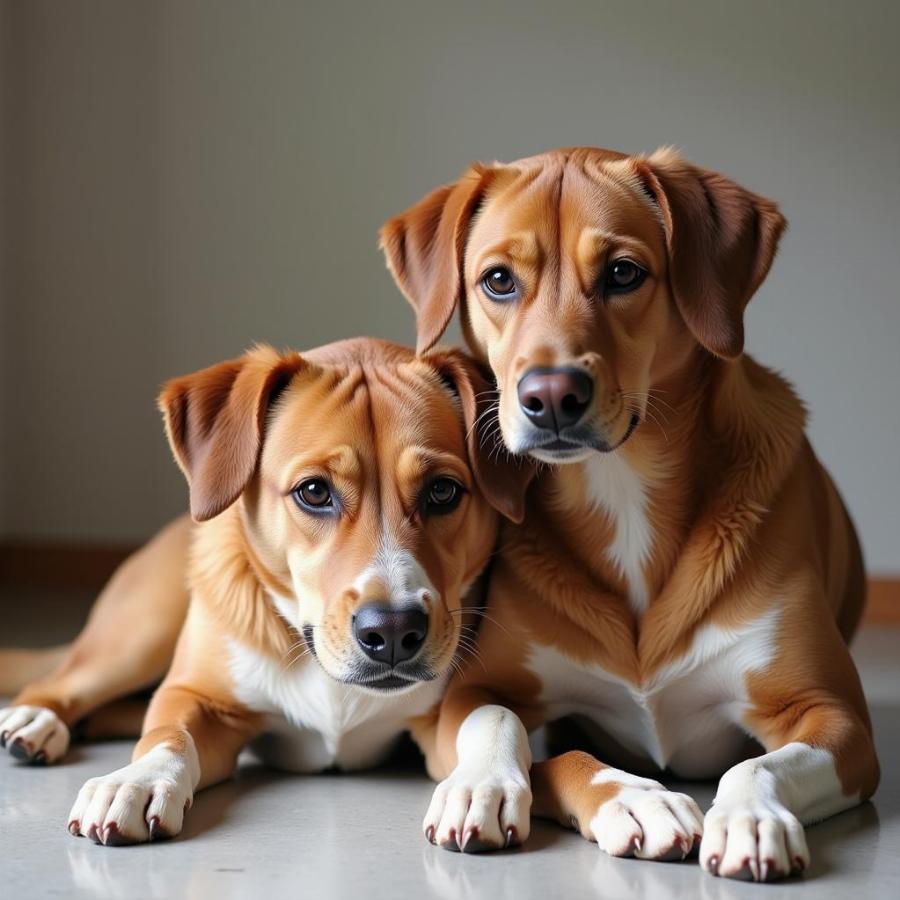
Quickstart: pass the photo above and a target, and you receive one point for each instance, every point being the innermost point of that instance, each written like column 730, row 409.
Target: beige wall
column 182, row 178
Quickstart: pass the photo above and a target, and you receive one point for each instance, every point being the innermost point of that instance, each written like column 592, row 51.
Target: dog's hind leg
column 19, row 667
column 126, row 645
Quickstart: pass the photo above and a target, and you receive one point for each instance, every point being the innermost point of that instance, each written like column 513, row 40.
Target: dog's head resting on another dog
column 584, row 277
column 363, row 489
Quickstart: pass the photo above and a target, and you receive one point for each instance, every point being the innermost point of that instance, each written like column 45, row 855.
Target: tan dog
column 686, row 576
column 344, row 501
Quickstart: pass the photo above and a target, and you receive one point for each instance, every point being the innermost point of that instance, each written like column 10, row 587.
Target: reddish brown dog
column 686, row 577
column 345, row 506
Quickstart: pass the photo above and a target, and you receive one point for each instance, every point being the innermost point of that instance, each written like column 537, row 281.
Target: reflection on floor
column 335, row 836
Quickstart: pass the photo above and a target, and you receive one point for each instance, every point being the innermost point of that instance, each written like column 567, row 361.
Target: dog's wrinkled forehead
column 549, row 217
column 373, row 422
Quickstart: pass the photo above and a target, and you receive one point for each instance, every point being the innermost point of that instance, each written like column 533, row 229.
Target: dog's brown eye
column 314, row 494
column 499, row 284
column 443, row 496
column 623, row 275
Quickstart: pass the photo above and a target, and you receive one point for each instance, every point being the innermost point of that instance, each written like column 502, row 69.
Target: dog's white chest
column 315, row 722
column 686, row 718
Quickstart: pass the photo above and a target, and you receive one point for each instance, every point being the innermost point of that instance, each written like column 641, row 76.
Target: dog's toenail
column 74, row 827
column 156, row 830
column 450, row 843
column 512, row 836
column 18, row 749
column 713, row 865
column 429, row 834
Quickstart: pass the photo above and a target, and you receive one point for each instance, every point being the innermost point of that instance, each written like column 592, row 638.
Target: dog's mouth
column 389, row 679
column 383, row 679
column 398, row 678
column 576, row 444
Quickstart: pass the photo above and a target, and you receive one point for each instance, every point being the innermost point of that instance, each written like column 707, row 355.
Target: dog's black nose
column 555, row 398
column 390, row 635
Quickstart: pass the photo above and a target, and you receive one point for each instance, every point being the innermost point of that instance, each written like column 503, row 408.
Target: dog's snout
column 388, row 634
column 555, row 398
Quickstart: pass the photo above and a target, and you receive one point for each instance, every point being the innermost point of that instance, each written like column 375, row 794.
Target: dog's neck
column 648, row 496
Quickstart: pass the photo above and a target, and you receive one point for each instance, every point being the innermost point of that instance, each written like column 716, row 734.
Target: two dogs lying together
column 607, row 512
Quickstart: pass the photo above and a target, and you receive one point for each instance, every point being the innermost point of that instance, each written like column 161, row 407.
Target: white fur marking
column 612, row 485
column 687, row 716
column 157, row 788
column 488, row 793
column 756, row 822
column 626, row 779
column 644, row 818
column 399, row 575
column 317, row 721
column 802, row 778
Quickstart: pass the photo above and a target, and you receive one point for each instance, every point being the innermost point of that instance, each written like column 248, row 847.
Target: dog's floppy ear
column 721, row 240
column 424, row 249
column 501, row 477
column 215, row 420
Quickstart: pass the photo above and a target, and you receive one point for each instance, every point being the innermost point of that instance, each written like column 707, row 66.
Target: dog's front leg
column 825, row 763
column 625, row 814
column 485, row 801
column 190, row 741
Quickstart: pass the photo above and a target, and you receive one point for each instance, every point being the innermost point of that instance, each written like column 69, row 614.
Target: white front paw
column 753, row 840
column 33, row 734
column 477, row 810
column 645, row 820
column 140, row 802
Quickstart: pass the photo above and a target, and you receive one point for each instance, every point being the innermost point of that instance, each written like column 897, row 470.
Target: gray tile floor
column 333, row 836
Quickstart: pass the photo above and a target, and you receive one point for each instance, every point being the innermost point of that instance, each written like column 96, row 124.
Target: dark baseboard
column 88, row 566
column 58, row 565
